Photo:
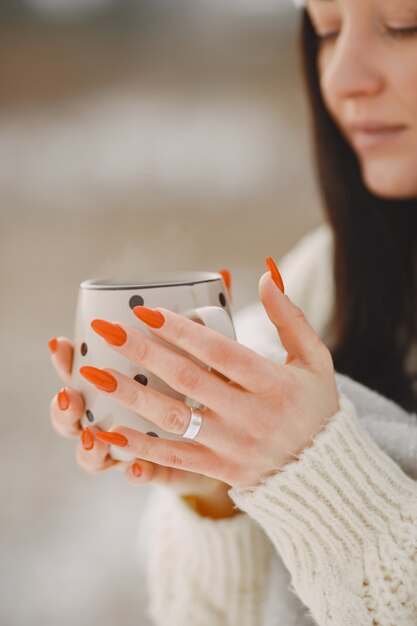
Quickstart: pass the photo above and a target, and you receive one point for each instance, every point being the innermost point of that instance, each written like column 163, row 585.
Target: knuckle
column 143, row 350
column 145, row 449
column 173, row 421
column 299, row 313
column 174, row 459
column 222, row 352
column 188, row 377
column 131, row 396
column 180, row 331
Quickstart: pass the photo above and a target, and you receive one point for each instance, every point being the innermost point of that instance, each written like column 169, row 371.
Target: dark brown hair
column 375, row 264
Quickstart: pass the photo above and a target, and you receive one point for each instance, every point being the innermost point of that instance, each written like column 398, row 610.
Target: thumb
column 298, row 337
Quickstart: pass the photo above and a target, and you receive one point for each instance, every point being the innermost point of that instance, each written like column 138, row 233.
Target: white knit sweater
column 331, row 540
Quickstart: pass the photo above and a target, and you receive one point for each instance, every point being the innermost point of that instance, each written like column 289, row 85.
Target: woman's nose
column 353, row 67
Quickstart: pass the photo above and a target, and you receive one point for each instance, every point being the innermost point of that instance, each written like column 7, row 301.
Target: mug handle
column 213, row 317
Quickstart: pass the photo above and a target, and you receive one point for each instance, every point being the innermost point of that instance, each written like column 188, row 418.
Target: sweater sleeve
column 205, row 572
column 343, row 517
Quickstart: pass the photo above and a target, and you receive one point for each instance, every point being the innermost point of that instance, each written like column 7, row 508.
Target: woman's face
column 368, row 76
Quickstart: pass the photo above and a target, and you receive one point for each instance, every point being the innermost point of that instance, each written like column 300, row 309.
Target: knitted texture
column 227, row 572
column 344, row 519
column 205, row 572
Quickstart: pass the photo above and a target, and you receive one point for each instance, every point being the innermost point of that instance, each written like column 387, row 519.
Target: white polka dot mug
column 201, row 296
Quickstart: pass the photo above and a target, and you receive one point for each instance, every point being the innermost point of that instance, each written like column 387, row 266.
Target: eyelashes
column 400, row 33
column 403, row 32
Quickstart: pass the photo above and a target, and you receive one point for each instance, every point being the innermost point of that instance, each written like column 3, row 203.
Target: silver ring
column 195, row 423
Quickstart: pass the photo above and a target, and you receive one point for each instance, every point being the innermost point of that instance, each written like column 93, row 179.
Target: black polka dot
column 222, row 299
column 90, row 416
column 152, row 434
column 136, row 301
column 84, row 348
column 141, row 378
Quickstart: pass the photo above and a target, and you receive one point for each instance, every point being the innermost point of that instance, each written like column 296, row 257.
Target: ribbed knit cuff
column 323, row 508
column 204, row 571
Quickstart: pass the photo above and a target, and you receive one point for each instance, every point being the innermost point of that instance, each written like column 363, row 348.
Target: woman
column 285, row 440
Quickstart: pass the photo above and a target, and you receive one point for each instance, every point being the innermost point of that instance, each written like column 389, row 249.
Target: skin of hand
column 206, row 495
column 256, row 421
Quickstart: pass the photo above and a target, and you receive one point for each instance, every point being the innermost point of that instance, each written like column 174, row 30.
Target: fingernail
column 101, row 379
column 227, row 277
column 137, row 470
column 114, row 438
column 276, row 276
column 112, row 333
column 53, row 345
column 149, row 316
column 63, row 399
column 87, row 439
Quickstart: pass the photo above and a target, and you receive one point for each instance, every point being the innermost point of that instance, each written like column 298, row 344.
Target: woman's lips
column 369, row 138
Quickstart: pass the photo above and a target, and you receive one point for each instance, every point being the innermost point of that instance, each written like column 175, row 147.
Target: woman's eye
column 410, row 31
column 403, row 32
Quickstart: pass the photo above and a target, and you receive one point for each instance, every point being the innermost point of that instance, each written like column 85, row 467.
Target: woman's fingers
column 66, row 410
column 297, row 336
column 62, row 354
column 92, row 455
column 140, row 472
column 93, row 464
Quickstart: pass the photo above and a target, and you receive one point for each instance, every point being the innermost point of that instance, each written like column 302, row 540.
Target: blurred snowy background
column 135, row 136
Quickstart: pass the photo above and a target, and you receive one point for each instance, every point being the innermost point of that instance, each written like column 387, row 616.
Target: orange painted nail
column 112, row 333
column 149, row 316
column 227, row 277
column 63, row 399
column 137, row 470
column 101, row 379
column 276, row 276
column 87, row 439
column 53, row 345
column 114, row 438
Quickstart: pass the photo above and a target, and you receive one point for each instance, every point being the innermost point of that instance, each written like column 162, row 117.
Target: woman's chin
column 390, row 182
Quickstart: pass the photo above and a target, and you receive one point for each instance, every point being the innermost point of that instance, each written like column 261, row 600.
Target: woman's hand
column 258, row 415
column 92, row 455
